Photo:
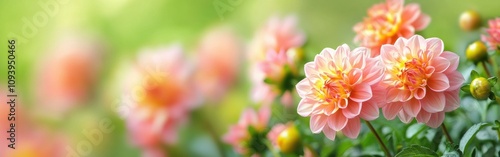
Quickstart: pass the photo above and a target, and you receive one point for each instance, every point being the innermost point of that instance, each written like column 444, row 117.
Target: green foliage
column 417, row 151
column 466, row 139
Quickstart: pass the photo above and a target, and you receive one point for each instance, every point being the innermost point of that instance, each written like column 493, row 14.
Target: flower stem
column 445, row 131
column 384, row 148
column 486, row 68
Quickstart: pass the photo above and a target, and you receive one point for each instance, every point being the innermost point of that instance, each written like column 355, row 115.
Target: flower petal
column 352, row 110
column 303, row 87
column 421, row 22
column 452, row 100
column 317, row 123
column 369, row 111
column 306, row 106
column 456, row 80
column 405, row 118
column 453, row 58
column 392, row 109
column 416, row 43
column 337, row 121
column 412, row 107
column 329, row 133
column 438, row 82
column 440, row 64
column 433, row 102
column 361, row 93
column 423, row 116
column 309, row 69
column 411, row 12
column 435, row 46
column 352, row 128
column 436, row 119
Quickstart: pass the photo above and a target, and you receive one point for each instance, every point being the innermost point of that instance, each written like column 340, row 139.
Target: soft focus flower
column 218, row 60
column 388, row 21
column 339, row 90
column 160, row 94
column 422, row 81
column 469, row 20
column 493, row 36
column 67, row 74
column 244, row 135
column 274, row 54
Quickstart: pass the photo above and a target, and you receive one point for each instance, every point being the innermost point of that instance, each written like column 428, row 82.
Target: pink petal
column 337, row 121
column 306, row 107
column 309, row 69
column 303, row 87
column 373, row 73
column 440, row 64
column 435, row 46
column 433, row 102
column 317, row 123
column 412, row 107
column 393, row 94
column 416, row 43
column 355, row 76
column 438, row 82
column 329, row 133
column 452, row 100
column 391, row 110
column 421, row 22
column 411, row 12
column 352, row 128
column 420, row 93
column 352, row 110
column 361, row 93
column 456, row 80
column 405, row 118
column 453, row 58
column 264, row 115
column 436, row 119
column 389, row 53
column 423, row 116
column 369, row 111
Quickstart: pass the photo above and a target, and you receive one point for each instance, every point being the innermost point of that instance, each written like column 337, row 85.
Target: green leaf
column 492, row 96
column 492, row 80
column 416, row 151
column 452, row 150
column 464, row 142
column 414, row 130
column 466, row 88
column 474, row 74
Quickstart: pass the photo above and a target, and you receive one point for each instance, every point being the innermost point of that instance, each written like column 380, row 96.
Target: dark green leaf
column 464, row 142
column 466, row 88
column 492, row 80
column 416, row 151
column 415, row 129
column 452, row 150
column 474, row 74
column 492, row 96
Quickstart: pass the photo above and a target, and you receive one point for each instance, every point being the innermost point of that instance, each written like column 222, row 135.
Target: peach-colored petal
column 412, row 107
column 352, row 128
column 411, row 12
column 329, row 133
column 433, row 102
column 438, row 82
column 306, row 106
column 352, row 110
column 440, row 64
column 436, row 119
column 317, row 123
column 404, row 117
column 361, row 93
column 337, row 121
column 456, row 79
column 369, row 111
column 452, row 100
column 422, row 22
column 454, row 60
column 423, row 116
column 391, row 110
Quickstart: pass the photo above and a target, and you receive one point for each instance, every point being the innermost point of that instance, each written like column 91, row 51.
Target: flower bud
column 469, row 20
column 476, row 52
column 289, row 140
column 480, row 88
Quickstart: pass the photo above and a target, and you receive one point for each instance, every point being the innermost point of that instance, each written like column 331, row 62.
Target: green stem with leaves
column 445, row 132
column 384, row 148
column 486, row 69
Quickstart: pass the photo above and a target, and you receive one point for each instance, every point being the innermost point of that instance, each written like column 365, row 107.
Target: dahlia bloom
column 273, row 57
column 218, row 58
column 339, row 90
column 422, row 80
column 275, row 132
column 388, row 21
column 239, row 135
column 493, row 37
column 159, row 95
column 68, row 73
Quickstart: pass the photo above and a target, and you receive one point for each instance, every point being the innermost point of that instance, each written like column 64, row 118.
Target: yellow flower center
column 334, row 90
column 158, row 90
column 411, row 75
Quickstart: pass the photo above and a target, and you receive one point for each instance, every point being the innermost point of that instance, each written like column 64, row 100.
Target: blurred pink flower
column 388, row 21
column 161, row 96
column 493, row 37
column 238, row 135
column 275, row 132
column 422, row 81
column 217, row 62
column 67, row 74
column 339, row 90
column 274, row 54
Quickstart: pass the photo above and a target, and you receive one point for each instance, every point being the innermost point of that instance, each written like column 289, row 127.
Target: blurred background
column 112, row 33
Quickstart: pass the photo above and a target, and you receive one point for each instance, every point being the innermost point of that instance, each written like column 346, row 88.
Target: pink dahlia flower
column 388, row 21
column 422, row 81
column 218, row 58
column 159, row 95
column 273, row 55
column 493, row 37
column 239, row 135
column 67, row 75
column 339, row 90
column 275, row 132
